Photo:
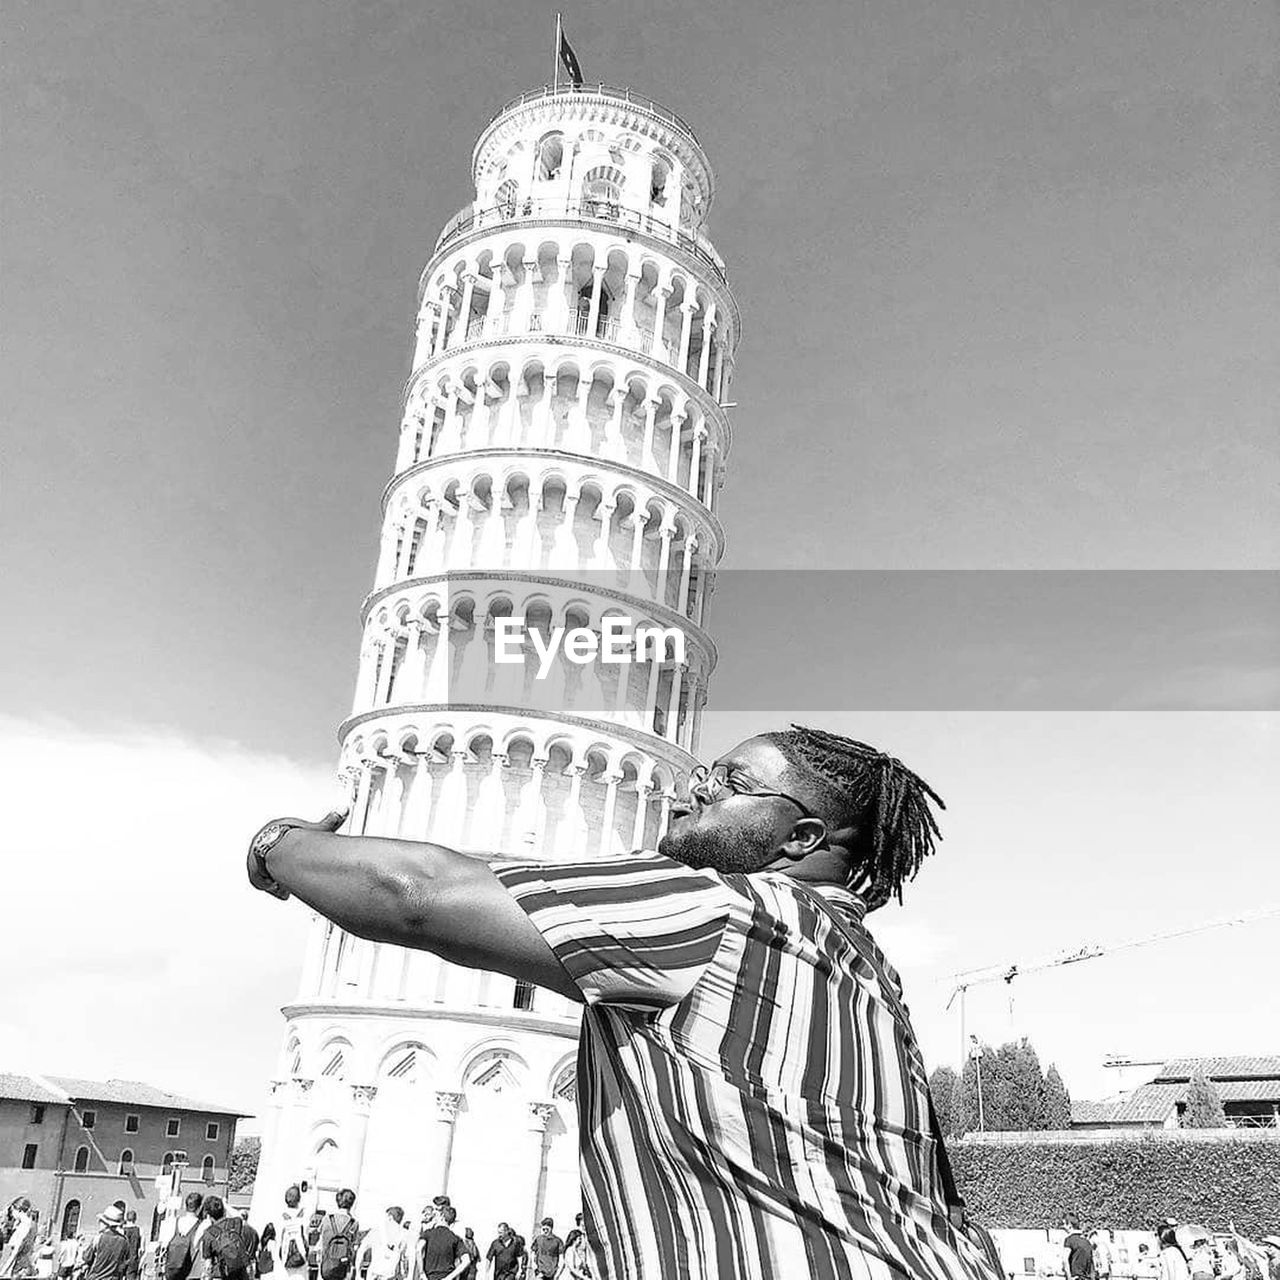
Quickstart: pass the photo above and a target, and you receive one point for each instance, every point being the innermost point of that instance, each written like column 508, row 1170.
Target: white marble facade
column 560, row 457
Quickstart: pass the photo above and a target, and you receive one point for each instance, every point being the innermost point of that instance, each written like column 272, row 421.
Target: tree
column 1203, row 1109
column 942, row 1087
column 1016, row 1092
column 969, row 1112
column 244, row 1163
column 1021, row 1087
column 1057, row 1101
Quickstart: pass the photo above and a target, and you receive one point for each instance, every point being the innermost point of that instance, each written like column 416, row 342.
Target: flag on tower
column 568, row 57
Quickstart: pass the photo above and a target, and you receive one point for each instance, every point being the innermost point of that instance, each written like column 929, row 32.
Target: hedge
column 1127, row 1185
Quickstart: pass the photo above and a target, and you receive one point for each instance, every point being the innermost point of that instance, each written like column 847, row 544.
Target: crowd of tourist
column 209, row 1240
column 1182, row 1251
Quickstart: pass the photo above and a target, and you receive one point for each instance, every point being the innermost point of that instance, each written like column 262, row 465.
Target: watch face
column 267, row 837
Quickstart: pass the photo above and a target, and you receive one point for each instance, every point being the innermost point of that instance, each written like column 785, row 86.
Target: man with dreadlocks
column 752, row 1103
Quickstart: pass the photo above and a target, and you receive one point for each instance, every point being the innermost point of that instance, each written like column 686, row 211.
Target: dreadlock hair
column 874, row 792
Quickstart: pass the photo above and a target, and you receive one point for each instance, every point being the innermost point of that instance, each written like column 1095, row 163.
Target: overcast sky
column 1009, row 293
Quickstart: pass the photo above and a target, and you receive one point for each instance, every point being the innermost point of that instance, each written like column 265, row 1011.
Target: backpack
column 338, row 1254
column 231, row 1250
column 177, row 1254
column 294, row 1258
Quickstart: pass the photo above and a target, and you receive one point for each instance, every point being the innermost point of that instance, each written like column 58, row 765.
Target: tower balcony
column 607, row 213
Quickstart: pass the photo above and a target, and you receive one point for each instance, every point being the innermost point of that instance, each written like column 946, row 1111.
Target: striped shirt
column 751, row 1100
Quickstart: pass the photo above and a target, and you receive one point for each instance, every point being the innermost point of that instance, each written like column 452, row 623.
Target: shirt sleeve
column 636, row 932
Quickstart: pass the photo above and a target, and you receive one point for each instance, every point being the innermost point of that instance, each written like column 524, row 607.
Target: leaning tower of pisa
column 562, row 447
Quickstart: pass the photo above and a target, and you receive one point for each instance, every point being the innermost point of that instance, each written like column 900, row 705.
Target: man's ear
column 806, row 835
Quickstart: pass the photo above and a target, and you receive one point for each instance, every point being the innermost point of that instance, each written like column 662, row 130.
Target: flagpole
column 555, row 60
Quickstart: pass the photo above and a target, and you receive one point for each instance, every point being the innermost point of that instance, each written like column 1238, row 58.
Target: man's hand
column 259, row 875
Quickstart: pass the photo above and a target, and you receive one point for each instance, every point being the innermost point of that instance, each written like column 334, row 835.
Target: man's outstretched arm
column 423, row 896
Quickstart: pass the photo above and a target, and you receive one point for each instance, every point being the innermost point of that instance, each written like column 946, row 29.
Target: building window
column 82, row 1160
column 131, row 1124
column 70, row 1219
column 88, row 1119
column 166, row 1165
column 173, row 1127
column 211, row 1131
column 126, row 1161
column 524, row 996
column 29, row 1155
column 37, row 1113
column 206, row 1169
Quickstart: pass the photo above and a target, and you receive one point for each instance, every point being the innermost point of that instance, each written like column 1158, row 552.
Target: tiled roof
column 1154, row 1103
column 138, row 1094
column 29, row 1089
column 1147, row 1104
column 1248, row 1090
column 65, row 1089
column 1234, row 1067
column 1091, row 1112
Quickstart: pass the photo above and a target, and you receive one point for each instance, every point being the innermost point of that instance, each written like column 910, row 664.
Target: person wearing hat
column 108, row 1254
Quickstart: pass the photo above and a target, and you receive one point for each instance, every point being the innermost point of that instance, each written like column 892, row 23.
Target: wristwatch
column 263, row 843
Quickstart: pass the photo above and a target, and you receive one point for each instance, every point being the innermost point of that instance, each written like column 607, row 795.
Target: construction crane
column 961, row 982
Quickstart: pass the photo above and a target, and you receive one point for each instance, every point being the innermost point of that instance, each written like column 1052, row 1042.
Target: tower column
column 362, row 1096
column 699, row 436
column 539, row 1114
column 704, row 356
column 627, row 332
column 643, row 792
column 658, row 347
column 447, row 1106
column 497, row 300
column 610, row 781
column 460, row 330
column 597, row 287
column 687, row 308
column 678, row 420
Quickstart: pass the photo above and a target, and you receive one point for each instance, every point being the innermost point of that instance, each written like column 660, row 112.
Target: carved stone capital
column 539, row 1114
column 447, row 1105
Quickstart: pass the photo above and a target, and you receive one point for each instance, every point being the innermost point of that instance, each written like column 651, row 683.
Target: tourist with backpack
column 180, row 1250
column 230, row 1244
column 292, row 1248
column 108, row 1254
column 339, row 1239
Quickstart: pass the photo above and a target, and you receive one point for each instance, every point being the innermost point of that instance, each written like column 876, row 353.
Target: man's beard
column 741, row 851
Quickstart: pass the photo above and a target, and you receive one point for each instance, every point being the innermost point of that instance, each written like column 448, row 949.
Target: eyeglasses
column 715, row 784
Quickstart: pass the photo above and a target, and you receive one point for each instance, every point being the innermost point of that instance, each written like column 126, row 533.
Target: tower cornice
column 505, row 342
column 647, row 743
column 694, row 507
column 495, row 219
column 660, row 612
column 507, row 1019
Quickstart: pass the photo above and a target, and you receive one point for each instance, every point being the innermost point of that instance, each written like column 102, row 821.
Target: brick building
column 75, row 1146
